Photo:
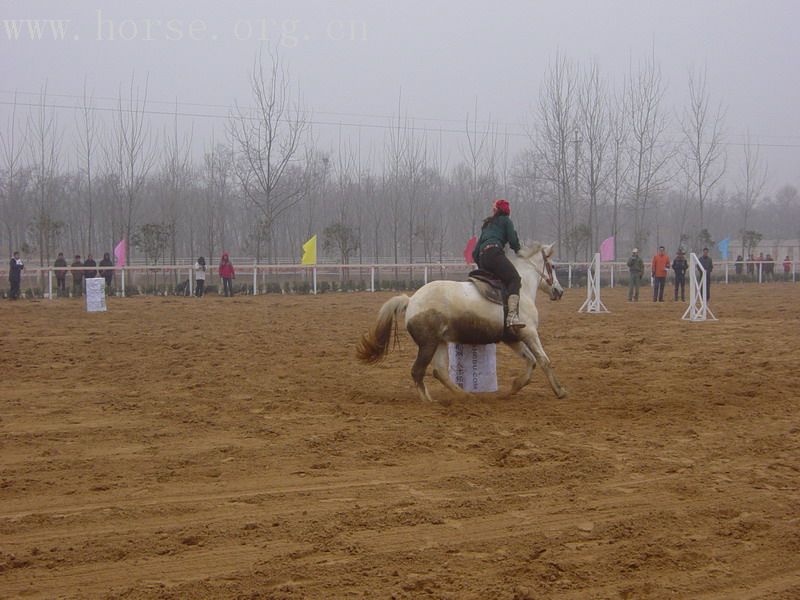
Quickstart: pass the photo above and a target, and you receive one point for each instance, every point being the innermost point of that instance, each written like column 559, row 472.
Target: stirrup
column 513, row 322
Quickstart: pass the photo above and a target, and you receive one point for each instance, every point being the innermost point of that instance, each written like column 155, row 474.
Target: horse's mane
column 530, row 248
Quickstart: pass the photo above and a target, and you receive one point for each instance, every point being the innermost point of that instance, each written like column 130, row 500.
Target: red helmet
column 502, row 206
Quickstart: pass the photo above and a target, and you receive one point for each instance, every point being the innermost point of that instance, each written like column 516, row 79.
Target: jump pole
column 593, row 303
column 698, row 303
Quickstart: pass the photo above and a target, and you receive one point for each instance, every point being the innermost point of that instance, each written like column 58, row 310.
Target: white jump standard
column 698, row 303
column 593, row 303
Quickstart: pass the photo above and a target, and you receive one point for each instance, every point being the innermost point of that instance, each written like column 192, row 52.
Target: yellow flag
column 310, row 251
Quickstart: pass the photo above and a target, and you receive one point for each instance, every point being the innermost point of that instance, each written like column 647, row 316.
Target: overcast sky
column 351, row 59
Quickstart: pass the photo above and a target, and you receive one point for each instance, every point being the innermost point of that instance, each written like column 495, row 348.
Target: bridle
column 548, row 277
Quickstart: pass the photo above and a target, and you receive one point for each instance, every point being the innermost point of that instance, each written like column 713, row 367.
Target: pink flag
column 119, row 253
column 469, row 248
column 607, row 249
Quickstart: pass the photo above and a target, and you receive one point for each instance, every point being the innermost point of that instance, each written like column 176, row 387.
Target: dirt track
column 183, row 448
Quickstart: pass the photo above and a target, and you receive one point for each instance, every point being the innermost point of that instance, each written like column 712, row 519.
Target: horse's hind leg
column 531, row 339
column 525, row 378
column 441, row 370
column 425, row 354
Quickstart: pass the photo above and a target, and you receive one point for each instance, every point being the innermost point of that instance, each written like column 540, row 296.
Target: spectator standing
column 708, row 265
column 680, row 266
column 15, row 268
column 787, row 267
column 751, row 265
column 769, row 267
column 636, row 269
column 739, row 264
column 200, row 277
column 227, row 274
column 77, row 276
column 89, row 270
column 659, row 267
column 107, row 274
column 61, row 275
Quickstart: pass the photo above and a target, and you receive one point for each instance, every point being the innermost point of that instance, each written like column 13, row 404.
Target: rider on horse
column 489, row 255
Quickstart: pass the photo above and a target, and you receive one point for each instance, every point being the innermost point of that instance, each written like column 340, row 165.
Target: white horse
column 453, row 311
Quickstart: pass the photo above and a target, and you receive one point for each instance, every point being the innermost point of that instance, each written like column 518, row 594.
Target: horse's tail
column 374, row 345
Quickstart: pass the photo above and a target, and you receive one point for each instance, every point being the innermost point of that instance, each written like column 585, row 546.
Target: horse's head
column 539, row 256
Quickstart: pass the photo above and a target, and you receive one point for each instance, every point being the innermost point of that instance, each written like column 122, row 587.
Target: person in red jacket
column 227, row 274
column 659, row 272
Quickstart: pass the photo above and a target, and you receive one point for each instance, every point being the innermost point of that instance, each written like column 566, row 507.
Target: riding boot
column 512, row 320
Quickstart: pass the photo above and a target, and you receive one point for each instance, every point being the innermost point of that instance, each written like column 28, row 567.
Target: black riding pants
column 495, row 261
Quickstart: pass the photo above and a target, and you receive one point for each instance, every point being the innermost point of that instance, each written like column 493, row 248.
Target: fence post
column 50, row 283
column 255, row 279
column 191, row 283
column 372, row 279
column 569, row 275
column 425, row 277
column 123, row 281
column 612, row 274
column 726, row 273
column 314, row 276
column 759, row 272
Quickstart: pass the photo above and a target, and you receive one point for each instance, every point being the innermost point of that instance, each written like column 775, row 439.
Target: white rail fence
column 42, row 282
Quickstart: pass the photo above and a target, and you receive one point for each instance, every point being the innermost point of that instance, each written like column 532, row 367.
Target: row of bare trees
column 598, row 160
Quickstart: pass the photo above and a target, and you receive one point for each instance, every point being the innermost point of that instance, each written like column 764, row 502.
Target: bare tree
column 526, row 183
column 267, row 139
column 553, row 142
column 619, row 166
column 86, row 124
column 414, row 165
column 705, row 157
column 45, row 148
column 751, row 184
column 11, row 149
column 176, row 175
column 592, row 102
column 647, row 153
column 130, row 154
column 375, row 191
column 480, row 157
column 393, row 172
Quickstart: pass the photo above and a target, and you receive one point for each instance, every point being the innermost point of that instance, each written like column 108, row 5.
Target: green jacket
column 636, row 265
column 499, row 231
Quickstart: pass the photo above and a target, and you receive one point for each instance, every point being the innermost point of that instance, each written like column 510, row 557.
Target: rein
column 549, row 268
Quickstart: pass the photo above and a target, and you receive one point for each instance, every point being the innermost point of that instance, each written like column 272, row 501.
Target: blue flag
column 723, row 248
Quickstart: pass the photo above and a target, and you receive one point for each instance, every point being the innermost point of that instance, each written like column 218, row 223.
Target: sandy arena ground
column 184, row 448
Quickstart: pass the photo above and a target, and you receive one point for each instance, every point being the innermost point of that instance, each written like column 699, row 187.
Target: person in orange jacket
column 659, row 271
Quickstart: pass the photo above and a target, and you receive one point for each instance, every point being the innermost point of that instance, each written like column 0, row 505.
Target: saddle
column 489, row 286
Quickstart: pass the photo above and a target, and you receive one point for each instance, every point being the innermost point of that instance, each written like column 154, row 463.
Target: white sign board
column 474, row 367
column 95, row 294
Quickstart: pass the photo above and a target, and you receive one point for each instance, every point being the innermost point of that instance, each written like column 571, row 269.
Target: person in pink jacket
column 227, row 274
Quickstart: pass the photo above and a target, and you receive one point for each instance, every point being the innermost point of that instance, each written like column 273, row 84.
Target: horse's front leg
column 525, row 378
column 530, row 338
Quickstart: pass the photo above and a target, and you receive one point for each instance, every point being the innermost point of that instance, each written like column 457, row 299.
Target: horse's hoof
column 562, row 394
